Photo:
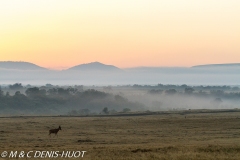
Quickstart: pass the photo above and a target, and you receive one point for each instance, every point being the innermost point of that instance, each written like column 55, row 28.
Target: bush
column 126, row 110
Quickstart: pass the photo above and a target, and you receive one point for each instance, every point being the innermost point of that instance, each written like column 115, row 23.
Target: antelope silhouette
column 55, row 131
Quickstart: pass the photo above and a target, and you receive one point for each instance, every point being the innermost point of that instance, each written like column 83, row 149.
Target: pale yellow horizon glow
column 128, row 33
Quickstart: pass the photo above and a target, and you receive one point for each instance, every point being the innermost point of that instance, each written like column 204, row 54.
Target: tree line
column 63, row 100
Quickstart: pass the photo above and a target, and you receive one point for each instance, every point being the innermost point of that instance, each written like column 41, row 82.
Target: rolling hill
column 94, row 66
column 99, row 73
column 11, row 65
column 226, row 65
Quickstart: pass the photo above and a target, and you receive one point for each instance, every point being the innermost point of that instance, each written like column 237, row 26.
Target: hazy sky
column 125, row 33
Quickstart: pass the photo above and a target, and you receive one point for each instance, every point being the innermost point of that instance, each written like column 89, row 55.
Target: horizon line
column 61, row 68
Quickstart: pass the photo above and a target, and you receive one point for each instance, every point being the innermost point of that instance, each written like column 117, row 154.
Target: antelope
column 54, row 131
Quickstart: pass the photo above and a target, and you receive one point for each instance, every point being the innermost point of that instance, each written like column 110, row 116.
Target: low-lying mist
column 182, row 102
column 76, row 100
column 144, row 75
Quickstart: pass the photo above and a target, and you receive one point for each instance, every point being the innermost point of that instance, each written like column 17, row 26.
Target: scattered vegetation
column 40, row 101
column 17, row 99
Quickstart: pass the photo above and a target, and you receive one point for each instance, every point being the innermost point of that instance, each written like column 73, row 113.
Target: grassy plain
column 162, row 136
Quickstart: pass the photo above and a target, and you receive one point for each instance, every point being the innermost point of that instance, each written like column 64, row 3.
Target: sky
column 59, row 34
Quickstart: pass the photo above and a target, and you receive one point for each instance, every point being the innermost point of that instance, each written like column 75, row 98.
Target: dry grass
column 198, row 136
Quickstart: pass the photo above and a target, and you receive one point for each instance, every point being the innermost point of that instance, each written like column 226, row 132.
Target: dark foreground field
column 164, row 136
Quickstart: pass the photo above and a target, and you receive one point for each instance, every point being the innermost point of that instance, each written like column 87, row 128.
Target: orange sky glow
column 59, row 34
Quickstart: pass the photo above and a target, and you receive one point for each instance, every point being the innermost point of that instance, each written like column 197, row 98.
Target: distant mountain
column 19, row 66
column 94, row 66
column 217, row 65
column 88, row 74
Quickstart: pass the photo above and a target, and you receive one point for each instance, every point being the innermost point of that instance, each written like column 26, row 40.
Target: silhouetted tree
column 17, row 93
column 170, row 91
column 126, row 110
column 63, row 92
column 31, row 92
column 217, row 92
column 35, row 92
column 7, row 94
column 49, row 85
column 1, row 93
column 52, row 91
column 16, row 86
column 105, row 110
column 189, row 90
column 184, row 86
